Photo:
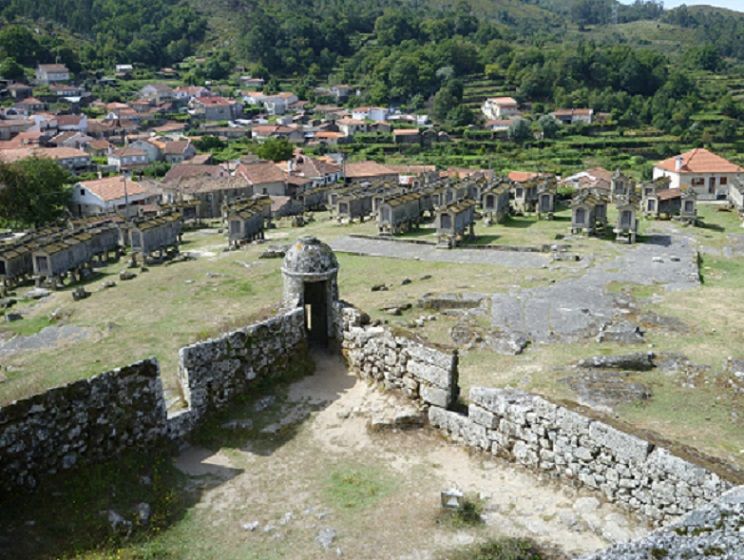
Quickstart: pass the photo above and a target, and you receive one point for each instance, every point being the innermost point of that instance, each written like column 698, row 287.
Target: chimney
column 678, row 163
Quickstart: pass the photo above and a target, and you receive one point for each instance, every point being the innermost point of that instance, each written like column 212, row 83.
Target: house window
column 698, row 182
column 82, row 191
column 712, row 185
column 723, row 181
column 519, row 192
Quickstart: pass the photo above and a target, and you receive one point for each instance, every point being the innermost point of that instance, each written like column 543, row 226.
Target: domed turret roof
column 309, row 256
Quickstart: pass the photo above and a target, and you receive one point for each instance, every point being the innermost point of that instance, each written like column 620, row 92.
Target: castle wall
column 530, row 430
column 95, row 419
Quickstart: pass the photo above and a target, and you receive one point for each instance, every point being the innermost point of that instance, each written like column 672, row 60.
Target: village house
column 595, row 177
column 72, row 122
column 71, row 139
column 128, row 158
column 376, row 114
column 209, row 192
column 318, row 172
column 499, row 108
column 573, row 116
column 123, row 70
column 500, row 127
column 65, row 90
column 412, row 175
column 111, row 194
column 51, row 73
column 251, row 82
column 406, row 136
column 275, row 104
column 215, row 108
column 349, row 127
column 98, row 147
column 69, row 158
column 185, row 94
column 11, row 127
column 369, row 172
column 263, row 132
column 188, row 170
column 700, row 170
column 28, row 106
column 20, row 91
column 160, row 93
column 264, row 176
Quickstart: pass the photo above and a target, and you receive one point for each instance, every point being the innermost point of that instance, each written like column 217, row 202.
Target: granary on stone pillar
column 245, row 222
column 626, row 227
column 588, row 211
column 399, row 214
column 455, row 222
column 354, row 205
column 546, row 193
column 495, row 201
column 161, row 234
column 621, row 185
column 310, row 271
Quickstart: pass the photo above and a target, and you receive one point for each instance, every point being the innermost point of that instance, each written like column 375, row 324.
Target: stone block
column 430, row 373
column 623, row 446
column 483, row 417
column 435, row 396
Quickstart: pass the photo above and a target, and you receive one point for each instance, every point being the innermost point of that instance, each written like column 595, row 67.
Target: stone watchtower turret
column 310, row 271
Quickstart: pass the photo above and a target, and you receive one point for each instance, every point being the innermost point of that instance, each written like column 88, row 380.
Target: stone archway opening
column 315, row 298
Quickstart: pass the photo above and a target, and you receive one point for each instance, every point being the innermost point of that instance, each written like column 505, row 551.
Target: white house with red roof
column 215, row 108
column 498, row 108
column 109, row 194
column 708, row 174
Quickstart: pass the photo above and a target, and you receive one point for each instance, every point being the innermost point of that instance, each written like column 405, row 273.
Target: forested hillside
column 149, row 32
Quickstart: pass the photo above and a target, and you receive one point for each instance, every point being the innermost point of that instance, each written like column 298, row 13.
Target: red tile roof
column 112, row 188
column 700, row 160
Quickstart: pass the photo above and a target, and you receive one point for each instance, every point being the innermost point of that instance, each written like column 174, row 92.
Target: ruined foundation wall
column 539, row 434
column 95, row 419
column 529, row 429
column 84, row 422
column 423, row 372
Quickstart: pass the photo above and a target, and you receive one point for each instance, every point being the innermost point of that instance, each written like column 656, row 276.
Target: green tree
column 275, row 149
column 34, row 191
column 548, row 125
column 11, row 70
column 210, row 144
column 520, row 131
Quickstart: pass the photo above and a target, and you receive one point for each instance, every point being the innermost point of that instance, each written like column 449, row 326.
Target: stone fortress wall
column 529, row 429
column 94, row 419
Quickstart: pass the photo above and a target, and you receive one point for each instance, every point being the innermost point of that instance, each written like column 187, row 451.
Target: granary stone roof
column 308, row 256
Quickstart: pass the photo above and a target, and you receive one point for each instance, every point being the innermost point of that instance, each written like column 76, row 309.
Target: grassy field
column 173, row 305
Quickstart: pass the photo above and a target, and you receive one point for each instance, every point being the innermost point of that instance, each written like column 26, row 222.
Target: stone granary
column 353, row 205
column 455, row 222
column 626, row 227
column 495, row 202
column 621, row 186
column 588, row 211
column 659, row 201
column 399, row 214
column 310, row 271
column 161, row 235
column 245, row 222
column 524, row 196
column 546, row 192
column 72, row 255
column 16, row 264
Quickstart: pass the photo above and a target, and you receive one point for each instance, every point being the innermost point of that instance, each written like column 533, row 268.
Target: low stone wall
column 95, row 419
column 711, row 531
column 422, row 371
column 215, row 371
column 539, row 434
column 83, row 422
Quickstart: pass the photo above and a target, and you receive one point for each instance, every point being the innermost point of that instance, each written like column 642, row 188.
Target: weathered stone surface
column 620, row 444
column 435, row 396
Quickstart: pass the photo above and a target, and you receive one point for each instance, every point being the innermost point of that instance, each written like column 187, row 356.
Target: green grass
column 356, row 487
column 66, row 516
column 505, row 548
column 27, row 326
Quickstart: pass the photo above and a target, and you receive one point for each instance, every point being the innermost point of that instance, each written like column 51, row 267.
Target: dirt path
column 278, row 503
